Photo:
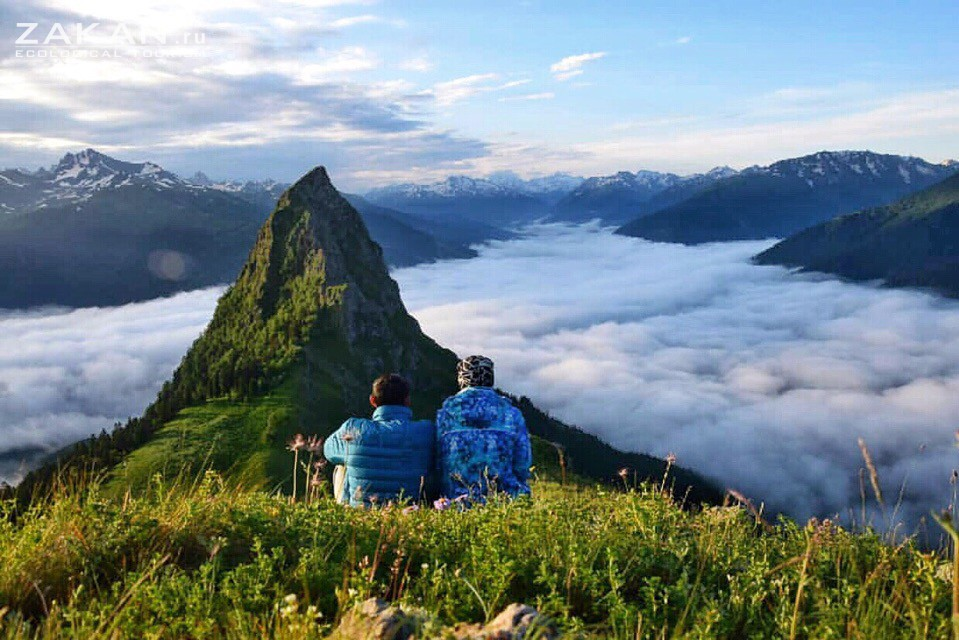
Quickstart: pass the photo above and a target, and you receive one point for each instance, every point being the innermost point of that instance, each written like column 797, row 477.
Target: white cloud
column 572, row 66
column 352, row 21
column 755, row 376
column 546, row 95
column 65, row 375
column 684, row 40
column 419, row 64
column 452, row 91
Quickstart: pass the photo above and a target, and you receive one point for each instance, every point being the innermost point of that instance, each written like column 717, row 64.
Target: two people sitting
column 477, row 446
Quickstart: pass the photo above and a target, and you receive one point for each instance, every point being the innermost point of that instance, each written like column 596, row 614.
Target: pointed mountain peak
column 316, row 181
column 315, row 311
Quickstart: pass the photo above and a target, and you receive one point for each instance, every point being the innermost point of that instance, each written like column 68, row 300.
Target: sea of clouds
column 760, row 378
column 66, row 374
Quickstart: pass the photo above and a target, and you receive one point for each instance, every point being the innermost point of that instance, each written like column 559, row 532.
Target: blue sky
column 414, row 90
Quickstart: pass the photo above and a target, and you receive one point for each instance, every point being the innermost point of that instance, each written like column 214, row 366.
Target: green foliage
column 205, row 560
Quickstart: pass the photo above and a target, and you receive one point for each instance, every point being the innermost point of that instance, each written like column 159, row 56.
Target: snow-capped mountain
column 263, row 193
column 834, row 167
column 480, row 199
column 76, row 178
column 622, row 196
column 551, row 188
column 782, row 198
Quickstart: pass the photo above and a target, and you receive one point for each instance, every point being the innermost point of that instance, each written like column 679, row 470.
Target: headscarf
column 475, row 371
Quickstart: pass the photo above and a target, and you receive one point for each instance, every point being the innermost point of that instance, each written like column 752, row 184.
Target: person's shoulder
column 355, row 425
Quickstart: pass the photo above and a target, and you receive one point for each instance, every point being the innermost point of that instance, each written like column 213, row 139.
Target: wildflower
column 671, row 458
column 297, row 443
column 413, row 508
column 314, row 444
column 316, row 480
column 624, row 473
column 320, row 464
column 442, row 504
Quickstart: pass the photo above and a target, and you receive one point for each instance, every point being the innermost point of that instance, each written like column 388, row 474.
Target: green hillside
column 914, row 242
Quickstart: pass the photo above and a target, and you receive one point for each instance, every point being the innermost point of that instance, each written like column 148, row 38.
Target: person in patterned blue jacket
column 481, row 440
column 389, row 457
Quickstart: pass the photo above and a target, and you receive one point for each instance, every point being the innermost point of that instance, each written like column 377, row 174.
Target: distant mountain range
column 785, row 197
column 914, row 242
column 94, row 230
column 478, row 199
column 624, row 196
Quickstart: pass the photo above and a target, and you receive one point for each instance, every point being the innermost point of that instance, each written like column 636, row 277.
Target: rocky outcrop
column 375, row 619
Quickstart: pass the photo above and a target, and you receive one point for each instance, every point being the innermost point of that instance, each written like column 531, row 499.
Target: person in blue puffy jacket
column 388, row 458
column 481, row 439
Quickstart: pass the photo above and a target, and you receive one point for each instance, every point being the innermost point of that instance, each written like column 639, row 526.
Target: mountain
column 550, row 189
column 93, row 230
column 477, row 199
column 914, row 242
column 292, row 347
column 96, row 231
column 261, row 193
column 778, row 200
column 624, row 196
column 404, row 238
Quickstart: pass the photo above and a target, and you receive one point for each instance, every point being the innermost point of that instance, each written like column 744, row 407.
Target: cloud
column 684, row 40
column 273, row 77
column 65, row 375
column 452, row 91
column 758, row 377
column 546, row 95
column 351, row 21
column 419, row 64
column 572, row 66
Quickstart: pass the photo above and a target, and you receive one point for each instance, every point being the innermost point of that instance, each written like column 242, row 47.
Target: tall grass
column 206, row 559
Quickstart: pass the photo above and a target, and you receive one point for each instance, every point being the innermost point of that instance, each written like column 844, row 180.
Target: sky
column 392, row 90
column 760, row 378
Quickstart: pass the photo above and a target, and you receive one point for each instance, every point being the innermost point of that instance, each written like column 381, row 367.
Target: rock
column 516, row 622
column 375, row 619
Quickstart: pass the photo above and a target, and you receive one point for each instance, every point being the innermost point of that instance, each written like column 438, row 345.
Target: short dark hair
column 391, row 388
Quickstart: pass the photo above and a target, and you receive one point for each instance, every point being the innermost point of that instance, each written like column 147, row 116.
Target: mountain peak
column 317, row 179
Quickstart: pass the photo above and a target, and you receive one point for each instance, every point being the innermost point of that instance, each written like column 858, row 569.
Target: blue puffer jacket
column 481, row 443
column 387, row 458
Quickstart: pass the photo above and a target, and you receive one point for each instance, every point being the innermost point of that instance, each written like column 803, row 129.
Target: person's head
column 475, row 371
column 390, row 388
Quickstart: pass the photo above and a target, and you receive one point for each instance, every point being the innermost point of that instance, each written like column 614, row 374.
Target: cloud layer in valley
column 67, row 374
column 758, row 377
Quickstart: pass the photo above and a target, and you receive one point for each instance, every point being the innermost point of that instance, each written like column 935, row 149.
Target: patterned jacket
column 481, row 445
column 386, row 458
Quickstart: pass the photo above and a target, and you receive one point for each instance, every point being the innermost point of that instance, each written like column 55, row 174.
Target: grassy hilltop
column 204, row 559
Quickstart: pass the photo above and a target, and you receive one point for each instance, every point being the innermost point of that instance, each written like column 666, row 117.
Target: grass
column 209, row 559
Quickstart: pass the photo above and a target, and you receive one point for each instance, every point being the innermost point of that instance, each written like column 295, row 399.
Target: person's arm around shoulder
column 523, row 451
column 336, row 448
